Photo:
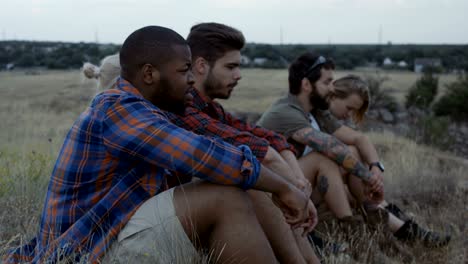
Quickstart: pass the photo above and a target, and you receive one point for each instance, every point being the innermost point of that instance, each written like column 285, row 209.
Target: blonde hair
column 106, row 74
column 352, row 84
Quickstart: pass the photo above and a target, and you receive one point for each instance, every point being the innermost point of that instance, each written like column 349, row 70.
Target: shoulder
column 327, row 122
column 283, row 110
column 114, row 101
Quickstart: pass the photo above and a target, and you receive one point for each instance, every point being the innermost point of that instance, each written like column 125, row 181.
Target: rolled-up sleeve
column 134, row 129
column 275, row 140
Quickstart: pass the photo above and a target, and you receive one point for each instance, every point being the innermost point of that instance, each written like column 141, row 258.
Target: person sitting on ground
column 222, row 44
column 310, row 86
column 114, row 183
column 349, row 104
column 216, row 66
column 107, row 73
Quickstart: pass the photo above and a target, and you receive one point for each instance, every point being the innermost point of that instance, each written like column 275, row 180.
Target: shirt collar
column 199, row 101
column 126, row 86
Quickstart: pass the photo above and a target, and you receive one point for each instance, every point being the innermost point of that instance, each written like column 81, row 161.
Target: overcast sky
column 300, row 21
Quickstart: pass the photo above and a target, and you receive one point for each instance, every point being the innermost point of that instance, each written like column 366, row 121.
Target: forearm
column 334, row 149
column 275, row 162
column 367, row 150
column 160, row 143
column 291, row 160
column 269, row 181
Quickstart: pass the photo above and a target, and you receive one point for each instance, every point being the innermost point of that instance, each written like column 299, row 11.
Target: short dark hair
column 301, row 68
column 151, row 44
column 212, row 40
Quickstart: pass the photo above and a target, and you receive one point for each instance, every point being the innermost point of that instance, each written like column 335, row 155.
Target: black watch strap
column 378, row 164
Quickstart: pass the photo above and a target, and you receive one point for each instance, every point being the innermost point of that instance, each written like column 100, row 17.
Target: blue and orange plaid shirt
column 120, row 152
column 205, row 117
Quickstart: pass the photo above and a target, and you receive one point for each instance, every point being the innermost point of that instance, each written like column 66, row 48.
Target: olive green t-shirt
column 286, row 116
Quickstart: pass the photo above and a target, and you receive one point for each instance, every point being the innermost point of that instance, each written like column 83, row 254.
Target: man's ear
column 200, row 66
column 150, row 74
column 306, row 85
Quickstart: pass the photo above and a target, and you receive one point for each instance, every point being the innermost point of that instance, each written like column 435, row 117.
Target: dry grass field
column 259, row 88
column 37, row 110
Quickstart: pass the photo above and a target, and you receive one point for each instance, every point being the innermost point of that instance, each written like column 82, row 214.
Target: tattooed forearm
column 333, row 149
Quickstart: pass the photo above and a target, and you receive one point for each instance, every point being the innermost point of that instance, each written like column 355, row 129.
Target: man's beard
column 317, row 101
column 213, row 87
column 166, row 101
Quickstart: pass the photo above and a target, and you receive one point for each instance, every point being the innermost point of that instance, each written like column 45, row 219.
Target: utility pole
column 96, row 36
column 380, row 35
column 281, row 35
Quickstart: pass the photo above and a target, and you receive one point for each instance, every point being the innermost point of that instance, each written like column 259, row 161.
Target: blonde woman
column 351, row 99
column 106, row 74
column 349, row 104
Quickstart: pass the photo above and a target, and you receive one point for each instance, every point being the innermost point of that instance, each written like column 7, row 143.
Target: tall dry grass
column 36, row 111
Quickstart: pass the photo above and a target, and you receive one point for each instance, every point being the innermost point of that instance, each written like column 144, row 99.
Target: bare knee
column 315, row 163
column 206, row 203
column 328, row 166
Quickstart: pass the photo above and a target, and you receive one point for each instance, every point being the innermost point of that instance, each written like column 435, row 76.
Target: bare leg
column 324, row 175
column 357, row 188
column 278, row 232
column 307, row 251
column 222, row 219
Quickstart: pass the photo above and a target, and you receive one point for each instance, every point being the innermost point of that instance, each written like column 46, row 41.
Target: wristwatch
column 378, row 164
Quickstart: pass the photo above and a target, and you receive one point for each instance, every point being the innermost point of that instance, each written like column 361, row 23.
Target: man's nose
column 237, row 74
column 190, row 78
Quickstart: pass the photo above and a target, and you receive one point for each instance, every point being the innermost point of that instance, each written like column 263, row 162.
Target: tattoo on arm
column 334, row 149
column 322, row 185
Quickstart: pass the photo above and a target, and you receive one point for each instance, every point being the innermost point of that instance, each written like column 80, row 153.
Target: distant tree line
column 52, row 55
column 60, row 55
column 453, row 57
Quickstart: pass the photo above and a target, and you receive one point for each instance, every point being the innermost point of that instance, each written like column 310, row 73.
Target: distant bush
column 423, row 92
column 454, row 102
column 380, row 97
column 433, row 130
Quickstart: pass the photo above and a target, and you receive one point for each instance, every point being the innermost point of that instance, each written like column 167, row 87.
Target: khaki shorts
column 154, row 234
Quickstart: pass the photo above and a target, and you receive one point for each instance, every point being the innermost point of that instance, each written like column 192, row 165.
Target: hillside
column 37, row 110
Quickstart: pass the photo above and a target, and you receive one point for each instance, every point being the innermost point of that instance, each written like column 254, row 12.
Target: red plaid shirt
column 209, row 118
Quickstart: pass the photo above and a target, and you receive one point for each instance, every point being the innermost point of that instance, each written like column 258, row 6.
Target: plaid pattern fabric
column 120, row 152
column 209, row 118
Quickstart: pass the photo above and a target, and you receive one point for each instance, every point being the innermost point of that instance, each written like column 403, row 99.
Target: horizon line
column 262, row 43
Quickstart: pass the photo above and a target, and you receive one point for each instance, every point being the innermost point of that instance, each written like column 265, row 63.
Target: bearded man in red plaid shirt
column 115, row 191
column 216, row 66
